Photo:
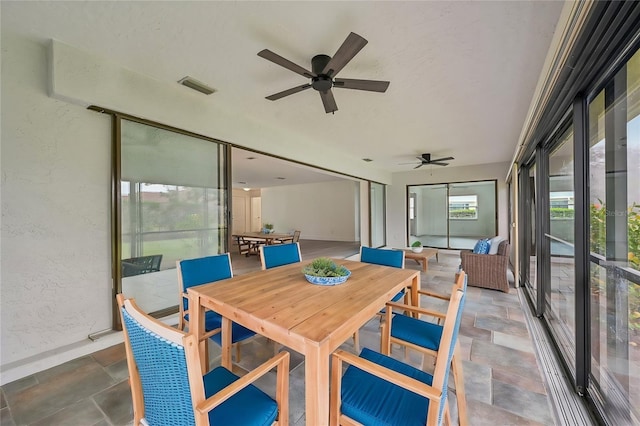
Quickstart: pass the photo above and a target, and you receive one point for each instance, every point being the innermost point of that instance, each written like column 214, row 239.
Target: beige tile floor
column 503, row 381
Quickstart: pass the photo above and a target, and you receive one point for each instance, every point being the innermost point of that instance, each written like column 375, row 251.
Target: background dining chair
column 168, row 387
column 294, row 238
column 141, row 265
column 247, row 246
column 425, row 337
column 279, row 254
column 378, row 389
column 202, row 270
column 384, row 257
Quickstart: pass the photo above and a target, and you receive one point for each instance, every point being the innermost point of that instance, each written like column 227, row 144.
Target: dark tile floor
column 503, row 382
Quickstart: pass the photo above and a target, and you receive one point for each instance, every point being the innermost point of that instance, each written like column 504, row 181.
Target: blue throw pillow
column 482, row 246
column 486, row 246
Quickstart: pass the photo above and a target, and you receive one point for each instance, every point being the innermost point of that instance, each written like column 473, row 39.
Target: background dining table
column 313, row 320
column 267, row 238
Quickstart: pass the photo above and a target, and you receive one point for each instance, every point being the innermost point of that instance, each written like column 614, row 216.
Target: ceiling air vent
column 194, row 84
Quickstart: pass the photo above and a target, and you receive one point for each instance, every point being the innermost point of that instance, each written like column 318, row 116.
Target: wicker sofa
column 487, row 270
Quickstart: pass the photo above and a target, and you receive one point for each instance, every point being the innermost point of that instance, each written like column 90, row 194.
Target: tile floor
column 503, row 382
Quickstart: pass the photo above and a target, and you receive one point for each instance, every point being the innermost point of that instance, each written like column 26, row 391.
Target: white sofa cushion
column 495, row 242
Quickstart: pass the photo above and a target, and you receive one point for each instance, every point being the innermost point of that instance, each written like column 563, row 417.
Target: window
column 463, row 207
column 447, row 215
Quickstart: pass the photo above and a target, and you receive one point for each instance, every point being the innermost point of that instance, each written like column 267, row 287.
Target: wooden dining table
column 313, row 320
column 265, row 238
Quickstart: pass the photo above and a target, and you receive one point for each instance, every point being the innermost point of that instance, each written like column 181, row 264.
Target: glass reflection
column 614, row 163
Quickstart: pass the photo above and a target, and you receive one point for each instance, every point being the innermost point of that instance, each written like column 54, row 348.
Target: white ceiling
column 462, row 73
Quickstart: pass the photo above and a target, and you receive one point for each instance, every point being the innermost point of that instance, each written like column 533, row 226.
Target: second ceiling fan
column 323, row 72
column 426, row 159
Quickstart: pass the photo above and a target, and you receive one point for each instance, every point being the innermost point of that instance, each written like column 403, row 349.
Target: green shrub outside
column 462, row 214
column 598, row 245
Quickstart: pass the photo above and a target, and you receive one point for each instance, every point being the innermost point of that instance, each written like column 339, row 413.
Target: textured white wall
column 56, row 267
column 56, row 190
column 396, row 194
column 56, row 187
column 321, row 211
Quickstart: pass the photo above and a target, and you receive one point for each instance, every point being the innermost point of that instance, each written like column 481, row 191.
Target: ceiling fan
column 426, row 159
column 323, row 71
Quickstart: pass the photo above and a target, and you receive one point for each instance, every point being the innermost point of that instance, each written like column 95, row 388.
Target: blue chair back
column 162, row 368
column 202, row 270
column 452, row 345
column 280, row 254
column 394, row 258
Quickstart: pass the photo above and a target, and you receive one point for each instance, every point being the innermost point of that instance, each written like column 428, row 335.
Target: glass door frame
column 116, row 197
column 447, row 186
column 383, row 213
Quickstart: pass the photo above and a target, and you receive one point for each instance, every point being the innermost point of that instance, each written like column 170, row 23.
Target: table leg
column 226, row 343
column 415, row 298
column 196, row 326
column 316, row 386
column 425, row 264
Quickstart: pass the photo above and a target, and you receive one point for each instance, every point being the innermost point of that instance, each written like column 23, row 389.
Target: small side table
column 422, row 257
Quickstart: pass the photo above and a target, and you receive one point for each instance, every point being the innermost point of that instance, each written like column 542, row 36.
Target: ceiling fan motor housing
column 322, row 82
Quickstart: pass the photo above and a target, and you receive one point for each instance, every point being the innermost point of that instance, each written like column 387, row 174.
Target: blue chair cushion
column 362, row 394
column 413, row 330
column 212, row 320
column 280, row 254
column 396, row 298
column 238, row 334
column 250, row 406
column 382, row 257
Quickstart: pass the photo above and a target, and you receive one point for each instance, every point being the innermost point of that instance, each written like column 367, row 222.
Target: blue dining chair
column 279, row 254
column 202, row 270
column 384, row 257
column 168, row 386
column 425, row 337
column 378, row 389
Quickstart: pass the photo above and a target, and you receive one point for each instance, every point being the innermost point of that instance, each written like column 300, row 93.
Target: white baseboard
column 28, row 366
column 25, row 367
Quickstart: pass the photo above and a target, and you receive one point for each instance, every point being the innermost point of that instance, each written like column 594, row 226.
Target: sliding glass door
column 173, row 205
column 581, row 247
column 472, row 213
column 529, row 259
column 559, row 243
column 614, row 206
column 451, row 215
column 377, row 220
column 428, row 215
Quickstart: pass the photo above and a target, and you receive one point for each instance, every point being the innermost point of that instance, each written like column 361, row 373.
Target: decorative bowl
column 327, row 280
column 417, row 249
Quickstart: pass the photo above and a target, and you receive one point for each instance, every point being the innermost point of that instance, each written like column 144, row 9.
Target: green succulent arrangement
column 325, row 267
column 416, row 244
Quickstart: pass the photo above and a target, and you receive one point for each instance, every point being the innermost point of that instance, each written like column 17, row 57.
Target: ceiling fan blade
column 439, row 164
column 444, row 159
column 288, row 92
column 328, row 101
column 279, row 60
column 350, row 47
column 370, row 85
column 418, row 166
